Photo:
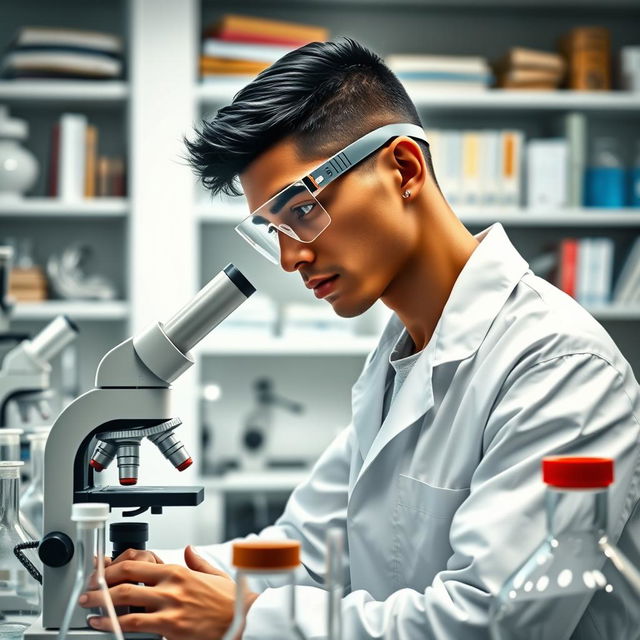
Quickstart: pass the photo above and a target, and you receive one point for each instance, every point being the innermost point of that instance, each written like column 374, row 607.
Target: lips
column 325, row 287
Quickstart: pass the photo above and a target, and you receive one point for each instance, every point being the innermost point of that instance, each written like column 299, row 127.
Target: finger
column 134, row 571
column 132, row 595
column 142, row 622
column 197, row 563
column 141, row 555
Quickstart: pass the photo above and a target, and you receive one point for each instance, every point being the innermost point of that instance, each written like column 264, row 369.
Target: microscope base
column 36, row 632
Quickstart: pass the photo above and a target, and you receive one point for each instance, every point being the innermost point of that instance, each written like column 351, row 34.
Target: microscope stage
column 132, row 497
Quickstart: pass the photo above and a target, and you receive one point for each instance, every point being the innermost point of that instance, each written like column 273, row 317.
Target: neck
column 419, row 292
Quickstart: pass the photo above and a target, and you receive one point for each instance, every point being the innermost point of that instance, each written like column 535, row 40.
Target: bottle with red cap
column 275, row 560
column 575, row 565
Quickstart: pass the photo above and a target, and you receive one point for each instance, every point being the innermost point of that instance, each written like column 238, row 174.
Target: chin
column 350, row 308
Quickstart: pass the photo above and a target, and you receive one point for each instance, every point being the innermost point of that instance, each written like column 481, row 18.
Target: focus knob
column 55, row 549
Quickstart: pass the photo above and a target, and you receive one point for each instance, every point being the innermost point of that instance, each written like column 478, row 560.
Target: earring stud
column 406, row 194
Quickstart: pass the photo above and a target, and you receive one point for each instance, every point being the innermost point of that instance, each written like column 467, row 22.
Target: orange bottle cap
column 266, row 554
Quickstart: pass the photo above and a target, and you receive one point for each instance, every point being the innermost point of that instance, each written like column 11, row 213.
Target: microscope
column 25, row 370
column 130, row 401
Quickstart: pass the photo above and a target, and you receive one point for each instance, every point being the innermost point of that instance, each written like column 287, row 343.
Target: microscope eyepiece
column 53, row 338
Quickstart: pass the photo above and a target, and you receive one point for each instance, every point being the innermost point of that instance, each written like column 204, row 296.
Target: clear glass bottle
column 265, row 558
column 574, row 566
column 32, row 500
column 335, row 582
column 90, row 518
column 19, row 592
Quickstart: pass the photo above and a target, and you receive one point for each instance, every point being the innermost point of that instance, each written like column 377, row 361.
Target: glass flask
column 90, row 518
column 19, row 592
column 276, row 559
column 32, row 500
column 335, row 582
column 574, row 566
column 605, row 175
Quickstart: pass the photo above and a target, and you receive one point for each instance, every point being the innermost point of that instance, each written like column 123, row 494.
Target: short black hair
column 324, row 95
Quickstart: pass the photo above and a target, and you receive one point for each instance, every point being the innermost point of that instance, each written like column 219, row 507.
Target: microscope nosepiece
column 103, row 455
column 172, row 449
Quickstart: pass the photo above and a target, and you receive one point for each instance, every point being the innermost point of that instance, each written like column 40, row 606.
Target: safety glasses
column 296, row 211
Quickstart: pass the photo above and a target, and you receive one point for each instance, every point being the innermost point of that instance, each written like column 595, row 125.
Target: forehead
column 272, row 171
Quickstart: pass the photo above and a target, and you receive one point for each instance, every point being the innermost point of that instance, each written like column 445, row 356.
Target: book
column 583, row 284
column 242, row 51
column 211, row 66
column 71, row 159
column 575, row 128
column 54, row 156
column 567, row 266
column 518, row 75
column 98, row 41
column 510, row 167
column 91, row 150
column 523, row 58
column 50, row 62
column 287, row 32
column 602, row 269
column 627, row 285
column 547, row 172
column 471, row 167
column 451, row 64
column 587, row 51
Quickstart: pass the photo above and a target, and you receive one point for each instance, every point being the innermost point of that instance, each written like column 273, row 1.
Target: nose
column 293, row 253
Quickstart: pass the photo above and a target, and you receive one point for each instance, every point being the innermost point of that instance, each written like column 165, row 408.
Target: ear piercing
column 406, row 194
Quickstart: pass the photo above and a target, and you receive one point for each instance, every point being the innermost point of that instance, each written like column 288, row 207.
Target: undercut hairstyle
column 323, row 96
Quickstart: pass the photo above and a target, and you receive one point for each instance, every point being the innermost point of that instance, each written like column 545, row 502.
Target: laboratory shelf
column 232, row 213
column 323, row 345
column 63, row 91
column 96, row 208
column 75, row 309
column 615, row 312
column 240, row 481
column 222, row 91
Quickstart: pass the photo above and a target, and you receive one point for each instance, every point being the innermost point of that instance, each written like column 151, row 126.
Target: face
column 372, row 232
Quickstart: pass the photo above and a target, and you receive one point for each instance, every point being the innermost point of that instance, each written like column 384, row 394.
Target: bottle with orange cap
column 264, row 558
column 576, row 565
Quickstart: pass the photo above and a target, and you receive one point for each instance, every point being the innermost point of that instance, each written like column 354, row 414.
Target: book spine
column 470, row 168
column 71, row 160
column 54, row 157
column 583, row 284
column 576, row 135
column 511, row 156
column 568, row 265
column 90, row 161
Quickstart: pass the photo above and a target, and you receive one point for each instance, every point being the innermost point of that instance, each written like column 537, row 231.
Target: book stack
column 585, row 269
column 76, row 170
column 42, row 52
column 627, row 290
column 441, row 73
column 523, row 68
column 587, row 51
column 244, row 46
column 478, row 168
column 28, row 284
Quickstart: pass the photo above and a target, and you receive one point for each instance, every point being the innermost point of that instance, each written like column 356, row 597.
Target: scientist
column 483, row 369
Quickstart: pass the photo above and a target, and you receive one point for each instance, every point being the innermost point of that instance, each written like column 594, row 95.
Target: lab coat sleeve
column 571, row 405
column 317, row 504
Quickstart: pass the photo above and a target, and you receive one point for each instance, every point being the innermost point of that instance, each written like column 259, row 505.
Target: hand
column 181, row 604
column 137, row 555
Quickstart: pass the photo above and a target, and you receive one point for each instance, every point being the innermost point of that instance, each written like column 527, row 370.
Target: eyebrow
column 284, row 196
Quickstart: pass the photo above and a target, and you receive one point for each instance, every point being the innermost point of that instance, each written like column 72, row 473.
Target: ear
column 409, row 166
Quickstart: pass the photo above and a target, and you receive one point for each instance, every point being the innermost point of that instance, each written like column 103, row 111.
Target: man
column 482, row 371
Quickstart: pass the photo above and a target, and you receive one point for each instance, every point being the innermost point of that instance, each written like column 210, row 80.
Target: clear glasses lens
column 294, row 211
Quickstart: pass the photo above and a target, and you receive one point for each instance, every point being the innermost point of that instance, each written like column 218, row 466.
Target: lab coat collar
column 481, row 289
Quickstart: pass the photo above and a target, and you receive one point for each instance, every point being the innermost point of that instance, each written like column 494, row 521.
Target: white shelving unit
column 76, row 310
column 68, row 91
column 98, row 208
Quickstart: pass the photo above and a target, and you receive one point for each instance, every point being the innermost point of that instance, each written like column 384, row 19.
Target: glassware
column 335, row 582
column 90, row 518
column 277, row 559
column 19, row 592
column 32, row 500
column 575, row 565
column 605, row 177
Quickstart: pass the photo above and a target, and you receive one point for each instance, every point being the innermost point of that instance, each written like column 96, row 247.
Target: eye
column 302, row 210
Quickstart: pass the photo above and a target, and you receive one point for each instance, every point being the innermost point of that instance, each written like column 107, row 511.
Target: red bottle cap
column 577, row 473
column 96, row 465
column 266, row 554
column 187, row 463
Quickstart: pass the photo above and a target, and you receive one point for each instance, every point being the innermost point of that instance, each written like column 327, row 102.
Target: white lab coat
column 444, row 500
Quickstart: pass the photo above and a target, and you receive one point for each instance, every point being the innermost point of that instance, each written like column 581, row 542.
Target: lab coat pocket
column 422, row 525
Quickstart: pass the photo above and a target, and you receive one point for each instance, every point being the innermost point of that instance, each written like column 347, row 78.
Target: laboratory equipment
column 90, row 520
column 605, row 177
column 335, row 581
column 6, row 304
column 575, row 565
column 259, row 422
column 25, row 371
column 132, row 392
column 18, row 165
column 276, row 559
column 19, row 592
column 32, row 500
column 634, row 178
